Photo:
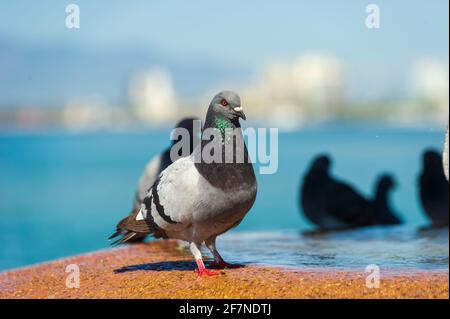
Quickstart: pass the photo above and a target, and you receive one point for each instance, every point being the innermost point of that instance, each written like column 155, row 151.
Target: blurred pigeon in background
column 434, row 188
column 445, row 155
column 383, row 213
column 334, row 205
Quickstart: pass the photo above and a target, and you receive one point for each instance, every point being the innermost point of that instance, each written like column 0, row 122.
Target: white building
column 152, row 96
column 428, row 93
column 310, row 86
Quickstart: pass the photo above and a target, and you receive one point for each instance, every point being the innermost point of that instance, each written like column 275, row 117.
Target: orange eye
column 224, row 102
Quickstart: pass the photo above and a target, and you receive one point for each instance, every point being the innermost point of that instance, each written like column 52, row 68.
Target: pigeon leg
column 202, row 271
column 218, row 260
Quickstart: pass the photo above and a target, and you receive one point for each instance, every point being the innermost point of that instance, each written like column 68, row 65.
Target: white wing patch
column 142, row 213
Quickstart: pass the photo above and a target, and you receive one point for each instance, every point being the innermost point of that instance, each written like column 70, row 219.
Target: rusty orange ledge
column 161, row 270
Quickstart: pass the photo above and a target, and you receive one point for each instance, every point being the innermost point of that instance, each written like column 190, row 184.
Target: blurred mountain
column 49, row 76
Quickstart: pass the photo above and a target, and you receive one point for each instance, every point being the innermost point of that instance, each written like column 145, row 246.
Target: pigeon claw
column 203, row 272
column 206, row 272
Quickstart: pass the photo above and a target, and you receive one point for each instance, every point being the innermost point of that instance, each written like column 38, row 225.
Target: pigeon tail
column 126, row 237
column 134, row 230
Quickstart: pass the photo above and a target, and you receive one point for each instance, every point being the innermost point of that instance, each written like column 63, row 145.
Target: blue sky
column 244, row 34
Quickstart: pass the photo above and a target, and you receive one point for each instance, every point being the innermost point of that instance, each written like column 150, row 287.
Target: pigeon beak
column 240, row 112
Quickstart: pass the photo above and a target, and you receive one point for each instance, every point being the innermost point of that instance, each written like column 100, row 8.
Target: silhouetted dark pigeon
column 434, row 189
column 445, row 155
column 334, row 205
column 383, row 213
column 195, row 199
column 160, row 162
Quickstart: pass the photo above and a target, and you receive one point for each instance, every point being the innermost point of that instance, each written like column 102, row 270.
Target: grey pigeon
column 335, row 205
column 160, row 162
column 197, row 200
column 433, row 189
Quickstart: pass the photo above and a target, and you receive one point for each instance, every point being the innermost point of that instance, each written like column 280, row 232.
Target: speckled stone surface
column 162, row 270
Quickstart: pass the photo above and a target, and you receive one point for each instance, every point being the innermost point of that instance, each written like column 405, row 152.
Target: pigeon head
column 322, row 164
column 386, row 182
column 432, row 160
column 226, row 106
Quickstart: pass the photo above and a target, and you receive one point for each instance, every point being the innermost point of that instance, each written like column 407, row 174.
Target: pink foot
column 224, row 264
column 206, row 273
column 202, row 271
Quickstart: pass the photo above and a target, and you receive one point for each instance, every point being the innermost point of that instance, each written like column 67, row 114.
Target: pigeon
column 445, row 155
column 383, row 213
column 160, row 162
column 195, row 199
column 434, row 188
column 328, row 203
column 334, row 205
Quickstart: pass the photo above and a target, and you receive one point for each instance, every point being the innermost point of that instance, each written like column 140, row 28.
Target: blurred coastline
column 147, row 64
column 309, row 89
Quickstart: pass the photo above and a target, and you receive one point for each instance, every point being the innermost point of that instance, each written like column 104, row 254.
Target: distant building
column 428, row 93
column 152, row 96
column 311, row 86
column 430, row 86
column 86, row 114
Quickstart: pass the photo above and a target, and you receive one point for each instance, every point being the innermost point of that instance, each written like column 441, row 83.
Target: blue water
column 62, row 193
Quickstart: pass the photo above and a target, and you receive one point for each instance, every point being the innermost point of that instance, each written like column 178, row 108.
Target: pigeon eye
column 224, row 102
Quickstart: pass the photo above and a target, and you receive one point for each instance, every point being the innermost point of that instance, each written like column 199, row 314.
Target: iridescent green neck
column 222, row 124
